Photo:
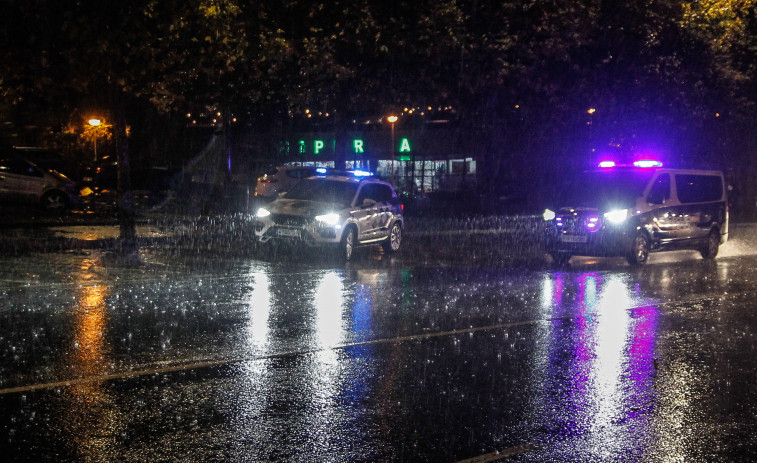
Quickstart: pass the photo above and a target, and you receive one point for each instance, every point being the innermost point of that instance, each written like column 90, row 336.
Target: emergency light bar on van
column 647, row 163
column 642, row 164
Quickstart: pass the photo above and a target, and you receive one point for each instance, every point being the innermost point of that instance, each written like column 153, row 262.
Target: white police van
column 631, row 211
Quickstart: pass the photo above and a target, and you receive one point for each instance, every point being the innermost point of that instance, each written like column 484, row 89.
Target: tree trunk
column 127, row 243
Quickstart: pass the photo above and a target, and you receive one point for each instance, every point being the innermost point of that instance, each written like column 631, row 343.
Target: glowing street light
column 590, row 123
column 392, row 119
column 95, row 123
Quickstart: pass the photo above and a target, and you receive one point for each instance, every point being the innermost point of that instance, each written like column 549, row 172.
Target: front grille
column 289, row 220
column 572, row 225
column 327, row 232
column 578, row 224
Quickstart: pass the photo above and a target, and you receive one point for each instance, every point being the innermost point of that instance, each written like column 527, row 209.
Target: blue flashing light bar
column 362, row 173
column 353, row 173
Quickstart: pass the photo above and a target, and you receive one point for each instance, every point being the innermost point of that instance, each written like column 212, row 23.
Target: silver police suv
column 342, row 209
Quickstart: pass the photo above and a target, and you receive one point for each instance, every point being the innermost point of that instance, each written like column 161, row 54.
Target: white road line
column 415, row 337
column 500, row 454
column 232, row 361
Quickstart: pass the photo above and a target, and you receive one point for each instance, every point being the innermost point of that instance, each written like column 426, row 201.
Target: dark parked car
column 24, row 181
column 149, row 186
column 281, row 179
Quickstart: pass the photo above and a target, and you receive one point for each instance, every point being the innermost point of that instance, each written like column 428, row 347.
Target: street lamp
column 392, row 119
column 95, row 123
column 590, row 123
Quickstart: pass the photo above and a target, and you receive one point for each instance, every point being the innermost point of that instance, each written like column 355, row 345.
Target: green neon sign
column 405, row 145
column 318, row 146
column 302, row 146
column 404, row 158
column 358, row 146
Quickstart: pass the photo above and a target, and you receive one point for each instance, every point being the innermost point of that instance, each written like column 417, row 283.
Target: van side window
column 660, row 191
column 699, row 188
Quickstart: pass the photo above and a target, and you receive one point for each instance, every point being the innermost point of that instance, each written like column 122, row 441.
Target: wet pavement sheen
column 382, row 359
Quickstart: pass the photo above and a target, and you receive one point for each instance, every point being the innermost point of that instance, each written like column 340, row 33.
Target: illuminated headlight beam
column 262, row 212
column 328, row 219
column 616, row 216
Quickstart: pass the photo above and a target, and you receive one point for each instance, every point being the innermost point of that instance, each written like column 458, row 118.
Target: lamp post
column 392, row 119
column 95, row 123
column 591, row 112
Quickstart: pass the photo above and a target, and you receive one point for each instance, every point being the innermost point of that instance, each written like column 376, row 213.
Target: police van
column 630, row 211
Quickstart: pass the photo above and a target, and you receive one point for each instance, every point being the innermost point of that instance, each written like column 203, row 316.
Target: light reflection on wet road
column 379, row 360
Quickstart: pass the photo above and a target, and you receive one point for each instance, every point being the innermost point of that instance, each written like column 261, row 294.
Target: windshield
column 605, row 189
column 324, row 190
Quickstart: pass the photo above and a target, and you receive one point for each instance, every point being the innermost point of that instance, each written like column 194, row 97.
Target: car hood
column 302, row 207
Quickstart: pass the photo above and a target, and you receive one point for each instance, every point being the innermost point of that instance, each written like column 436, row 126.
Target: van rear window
column 699, row 188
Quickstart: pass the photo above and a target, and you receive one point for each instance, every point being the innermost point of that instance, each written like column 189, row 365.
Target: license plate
column 572, row 239
column 288, row 232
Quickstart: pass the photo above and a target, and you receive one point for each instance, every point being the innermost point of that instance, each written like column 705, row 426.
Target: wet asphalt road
column 447, row 352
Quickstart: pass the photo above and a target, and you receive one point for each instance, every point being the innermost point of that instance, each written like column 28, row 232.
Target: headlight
column 548, row 215
column 262, row 212
column 329, row 219
column 618, row 216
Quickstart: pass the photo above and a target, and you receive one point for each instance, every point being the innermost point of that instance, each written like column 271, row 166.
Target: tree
column 522, row 75
column 534, row 70
column 729, row 28
column 352, row 59
column 117, row 56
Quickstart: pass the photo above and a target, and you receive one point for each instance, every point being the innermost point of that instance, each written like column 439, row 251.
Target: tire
column 561, row 258
column 639, row 252
column 348, row 243
column 54, row 202
column 394, row 240
column 710, row 249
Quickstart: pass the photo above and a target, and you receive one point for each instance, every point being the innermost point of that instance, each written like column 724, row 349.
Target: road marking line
column 399, row 339
column 501, row 454
column 232, row 361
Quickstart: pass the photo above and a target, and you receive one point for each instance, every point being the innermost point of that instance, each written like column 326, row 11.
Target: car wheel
column 54, row 202
column 710, row 249
column 349, row 241
column 639, row 249
column 561, row 258
column 394, row 240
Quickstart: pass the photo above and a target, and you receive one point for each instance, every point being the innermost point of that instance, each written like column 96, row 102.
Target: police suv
column 344, row 209
column 631, row 211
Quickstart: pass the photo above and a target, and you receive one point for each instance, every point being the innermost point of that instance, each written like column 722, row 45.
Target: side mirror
column 368, row 202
